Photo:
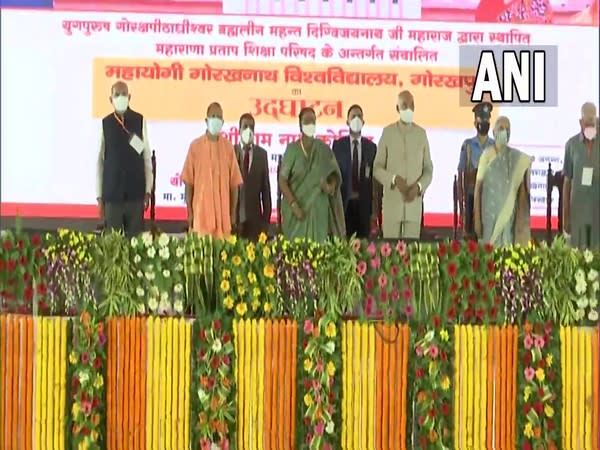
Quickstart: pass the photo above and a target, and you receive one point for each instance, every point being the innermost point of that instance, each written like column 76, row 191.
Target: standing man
column 470, row 152
column 355, row 155
column 211, row 175
column 502, row 192
column 403, row 166
column 124, row 168
column 581, row 185
column 254, row 206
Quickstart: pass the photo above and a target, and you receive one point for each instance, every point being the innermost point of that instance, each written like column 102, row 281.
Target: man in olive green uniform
column 581, row 185
column 403, row 166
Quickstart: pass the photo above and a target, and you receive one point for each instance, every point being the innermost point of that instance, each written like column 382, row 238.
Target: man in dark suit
column 254, row 207
column 355, row 155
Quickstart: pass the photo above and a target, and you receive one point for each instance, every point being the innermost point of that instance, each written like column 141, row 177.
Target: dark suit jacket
column 342, row 149
column 256, row 189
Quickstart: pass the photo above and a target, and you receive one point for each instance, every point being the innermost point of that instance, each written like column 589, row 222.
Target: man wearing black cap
column 470, row 152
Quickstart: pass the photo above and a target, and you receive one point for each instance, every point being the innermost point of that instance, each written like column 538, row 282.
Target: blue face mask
column 501, row 137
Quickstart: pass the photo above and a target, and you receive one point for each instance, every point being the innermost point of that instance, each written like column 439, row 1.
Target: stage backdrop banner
column 59, row 66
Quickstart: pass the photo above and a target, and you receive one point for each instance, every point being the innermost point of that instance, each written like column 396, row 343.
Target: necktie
column 246, row 160
column 355, row 165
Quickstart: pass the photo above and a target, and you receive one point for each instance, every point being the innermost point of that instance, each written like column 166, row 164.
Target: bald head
column 588, row 115
column 214, row 110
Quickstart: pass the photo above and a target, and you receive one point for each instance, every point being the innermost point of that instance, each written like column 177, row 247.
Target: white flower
column 139, row 291
column 134, row 242
column 178, row 267
column 217, row 346
column 164, row 296
column 137, row 259
column 151, row 252
column 178, row 288
column 595, row 286
column 149, row 276
column 163, row 240
column 579, row 314
column 329, row 347
column 140, row 274
column 580, row 286
column 588, row 256
column 330, row 427
column 593, row 315
column 592, row 275
column 147, row 239
column 141, row 309
column 166, row 273
column 152, row 304
column 178, row 306
column 83, row 376
column 155, row 292
column 202, row 395
column 214, row 446
column 579, row 275
column 582, row 303
column 164, row 306
column 164, row 253
column 179, row 252
column 593, row 302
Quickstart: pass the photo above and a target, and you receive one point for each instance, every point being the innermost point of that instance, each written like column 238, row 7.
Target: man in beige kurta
column 403, row 166
column 212, row 176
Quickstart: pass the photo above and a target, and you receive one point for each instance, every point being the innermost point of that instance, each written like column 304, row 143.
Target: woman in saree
column 309, row 179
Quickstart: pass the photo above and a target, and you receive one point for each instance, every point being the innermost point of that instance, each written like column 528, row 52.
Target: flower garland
column 468, row 282
column 586, row 288
column 86, row 365
column 158, row 265
column 318, row 390
column 247, row 278
column 539, row 388
column 213, row 384
column 433, row 387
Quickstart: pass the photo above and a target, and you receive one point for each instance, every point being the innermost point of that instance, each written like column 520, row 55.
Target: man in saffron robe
column 212, row 177
column 502, row 192
column 310, row 179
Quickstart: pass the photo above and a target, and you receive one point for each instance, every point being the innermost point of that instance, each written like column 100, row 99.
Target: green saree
column 323, row 213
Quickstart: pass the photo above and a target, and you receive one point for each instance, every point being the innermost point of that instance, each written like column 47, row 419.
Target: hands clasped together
column 409, row 192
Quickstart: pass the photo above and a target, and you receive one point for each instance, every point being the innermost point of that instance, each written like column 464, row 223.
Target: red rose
column 201, row 354
column 445, row 409
column 451, row 314
column 12, row 265
column 44, row 306
column 526, row 409
column 95, row 402
column 23, row 260
column 423, row 441
column 472, row 299
column 472, row 246
column 453, row 288
column 226, row 360
column 548, row 327
column 549, row 424
column 443, row 356
column 527, row 358
column 407, row 294
column 493, row 312
column 369, row 284
column 306, row 421
column 28, row 293
column 480, row 314
column 26, row 277
column 452, row 269
column 432, row 413
column 383, row 296
column 434, row 396
column 478, row 286
column 97, row 363
column 318, row 314
column 214, row 362
column 225, row 338
column 36, row 240
column 42, row 270
column 7, row 245
column 85, row 358
column 211, row 383
column 20, row 244
column 85, row 431
column 466, row 283
column 539, row 407
column 436, row 321
column 497, row 300
column 74, row 382
column 491, row 284
column 489, row 248
column 468, row 314
column 202, row 334
column 419, row 373
column 491, row 267
column 41, row 289
column 552, row 375
column 541, row 363
column 526, row 446
column 455, row 247
column 306, row 385
column 541, row 392
column 442, row 250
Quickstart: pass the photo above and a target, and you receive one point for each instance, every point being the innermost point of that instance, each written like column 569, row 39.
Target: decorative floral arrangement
column 539, row 388
column 433, row 386
column 86, row 368
column 213, row 384
column 520, row 283
column 586, row 287
column 200, row 269
column 319, row 395
column 425, row 281
column 468, row 282
column 385, row 270
column 158, row 266
column 23, row 286
column 247, row 280
column 69, row 258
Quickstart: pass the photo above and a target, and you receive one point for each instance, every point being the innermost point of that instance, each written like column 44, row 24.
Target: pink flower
column 205, row 444
column 86, row 407
column 407, row 294
column 419, row 350
column 386, row 249
column 371, row 249
column 224, row 444
column 327, row 446
column 356, row 245
column 539, row 342
column 394, row 270
column 361, row 268
column 320, row 428
column 382, row 280
column 308, row 326
column 401, row 247
column 320, row 367
column 315, row 384
column 433, row 351
column 528, row 341
column 408, row 310
column 376, row 263
column 529, row 373
column 395, row 295
column 369, row 305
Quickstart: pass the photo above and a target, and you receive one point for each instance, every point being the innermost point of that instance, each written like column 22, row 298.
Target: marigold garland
column 213, row 384
column 539, row 388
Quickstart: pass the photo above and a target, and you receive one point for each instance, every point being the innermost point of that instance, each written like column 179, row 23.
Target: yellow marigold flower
column 223, row 255
column 73, row 358
column 267, row 307
column 94, row 435
column 262, row 238
column 232, row 239
column 540, row 375
column 445, row 383
column 444, row 335
column 308, row 400
column 255, row 305
column 549, row 411
column 432, row 367
column 251, row 256
column 225, row 285
column 98, row 381
column 241, row 308
column 266, row 252
column 526, row 393
column 307, row 364
column 236, row 260
column 269, row 271
column 270, row 289
column 528, row 430
column 330, row 330
column 251, row 277
column 226, row 274
column 249, row 247
column 256, row 292
column 330, row 369
column 228, row 302
column 549, row 360
column 75, row 409
column 241, row 290
column 238, row 279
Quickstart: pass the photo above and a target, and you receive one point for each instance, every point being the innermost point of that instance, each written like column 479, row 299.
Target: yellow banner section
column 275, row 92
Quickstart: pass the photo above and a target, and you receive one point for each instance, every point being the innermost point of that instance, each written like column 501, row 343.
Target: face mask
column 120, row 103
column 483, row 128
column 406, row 115
column 356, row 124
column 214, row 125
column 309, row 130
column 589, row 133
column 502, row 137
column 247, row 136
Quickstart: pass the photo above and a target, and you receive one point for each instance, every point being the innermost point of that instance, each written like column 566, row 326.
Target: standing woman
column 309, row 180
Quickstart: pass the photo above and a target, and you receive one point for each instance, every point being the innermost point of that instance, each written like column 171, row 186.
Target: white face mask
column 309, row 130
column 589, row 133
column 214, row 125
column 121, row 103
column 356, row 124
column 501, row 137
column 406, row 115
column 247, row 136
